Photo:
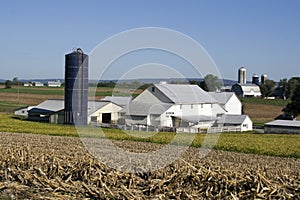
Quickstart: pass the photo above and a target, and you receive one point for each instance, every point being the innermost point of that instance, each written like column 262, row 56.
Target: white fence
column 224, row 129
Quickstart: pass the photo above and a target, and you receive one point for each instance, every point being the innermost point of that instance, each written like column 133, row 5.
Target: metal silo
column 263, row 78
column 242, row 75
column 255, row 79
column 76, row 88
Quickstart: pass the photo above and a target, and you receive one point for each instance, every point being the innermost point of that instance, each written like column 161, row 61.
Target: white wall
column 234, row 106
column 247, row 125
column 109, row 108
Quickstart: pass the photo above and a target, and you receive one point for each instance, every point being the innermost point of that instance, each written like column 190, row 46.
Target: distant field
column 264, row 144
column 263, row 110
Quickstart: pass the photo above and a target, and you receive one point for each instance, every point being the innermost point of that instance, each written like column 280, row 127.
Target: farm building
column 38, row 84
column 173, row 105
column 246, row 90
column 228, row 123
column 283, row 126
column 23, row 111
column 52, row 111
column 229, row 101
column 119, row 100
column 54, row 83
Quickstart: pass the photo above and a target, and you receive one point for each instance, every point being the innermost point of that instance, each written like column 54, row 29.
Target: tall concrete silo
column 263, row 78
column 242, row 75
column 76, row 88
column 255, row 79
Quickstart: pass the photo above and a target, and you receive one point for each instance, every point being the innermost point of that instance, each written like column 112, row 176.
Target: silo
column 242, row 75
column 76, row 88
column 255, row 79
column 263, row 78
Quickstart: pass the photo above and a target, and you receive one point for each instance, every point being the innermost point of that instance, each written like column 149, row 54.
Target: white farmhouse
column 173, row 105
column 54, row 83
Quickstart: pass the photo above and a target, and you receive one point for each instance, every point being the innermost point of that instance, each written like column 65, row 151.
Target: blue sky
column 263, row 35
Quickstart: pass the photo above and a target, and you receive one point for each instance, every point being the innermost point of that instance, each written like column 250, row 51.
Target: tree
column 291, row 86
column 267, row 88
column 15, row 81
column 8, row 84
column 293, row 108
column 212, row 82
column 283, row 83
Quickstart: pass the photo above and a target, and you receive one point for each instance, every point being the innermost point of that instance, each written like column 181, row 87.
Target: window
column 153, row 89
column 180, row 106
column 94, row 118
column 192, row 106
column 201, row 105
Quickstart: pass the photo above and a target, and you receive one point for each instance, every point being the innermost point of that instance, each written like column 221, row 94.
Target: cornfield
column 55, row 167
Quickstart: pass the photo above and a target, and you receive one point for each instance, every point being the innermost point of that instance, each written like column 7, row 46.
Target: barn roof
column 122, row 101
column 222, row 97
column 181, row 93
column 232, row 119
column 250, row 87
column 144, row 109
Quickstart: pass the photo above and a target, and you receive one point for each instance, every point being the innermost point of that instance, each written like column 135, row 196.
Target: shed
column 283, row 126
column 240, row 122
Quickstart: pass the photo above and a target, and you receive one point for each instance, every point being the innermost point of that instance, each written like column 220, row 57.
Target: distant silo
column 242, row 75
column 255, row 79
column 76, row 88
column 263, row 78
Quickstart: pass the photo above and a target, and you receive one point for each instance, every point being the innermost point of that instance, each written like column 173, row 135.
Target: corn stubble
column 39, row 166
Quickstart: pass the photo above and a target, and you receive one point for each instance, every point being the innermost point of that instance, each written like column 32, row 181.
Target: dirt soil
column 53, row 167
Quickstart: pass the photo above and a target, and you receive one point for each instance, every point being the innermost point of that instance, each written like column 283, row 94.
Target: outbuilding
column 283, row 126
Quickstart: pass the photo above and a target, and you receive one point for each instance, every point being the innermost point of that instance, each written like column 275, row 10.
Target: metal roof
column 232, row 119
column 185, row 94
column 122, row 101
column 222, row 97
column 144, row 109
column 196, row 118
column 55, row 105
column 250, row 87
column 289, row 123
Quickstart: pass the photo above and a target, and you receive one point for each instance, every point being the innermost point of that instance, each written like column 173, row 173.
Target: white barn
column 173, row 105
column 246, row 90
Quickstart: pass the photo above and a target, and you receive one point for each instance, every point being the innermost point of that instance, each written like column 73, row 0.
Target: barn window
column 180, row 106
column 192, row 106
column 153, row 89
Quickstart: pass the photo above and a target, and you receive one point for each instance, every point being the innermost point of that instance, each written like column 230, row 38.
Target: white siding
column 109, row 108
column 247, row 125
column 233, row 106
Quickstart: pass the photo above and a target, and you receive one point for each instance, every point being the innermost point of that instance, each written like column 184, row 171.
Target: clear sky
column 263, row 35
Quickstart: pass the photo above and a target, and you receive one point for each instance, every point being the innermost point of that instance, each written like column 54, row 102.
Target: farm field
column 265, row 144
column 54, row 167
column 16, row 97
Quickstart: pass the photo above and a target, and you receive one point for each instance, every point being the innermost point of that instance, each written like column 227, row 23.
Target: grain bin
column 76, row 88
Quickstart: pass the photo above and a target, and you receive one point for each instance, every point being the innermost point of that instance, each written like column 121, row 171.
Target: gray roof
column 196, row 118
column 122, row 101
column 250, row 87
column 289, row 123
column 232, row 119
column 53, row 105
column 144, row 109
column 185, row 94
column 93, row 106
column 222, row 97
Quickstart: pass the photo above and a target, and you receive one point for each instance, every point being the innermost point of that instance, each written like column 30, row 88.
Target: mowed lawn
column 264, row 144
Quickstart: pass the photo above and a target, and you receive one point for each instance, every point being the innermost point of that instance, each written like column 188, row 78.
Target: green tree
column 291, row 86
column 267, row 88
column 8, row 84
column 212, row 82
column 293, row 108
column 283, row 83
column 15, row 81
